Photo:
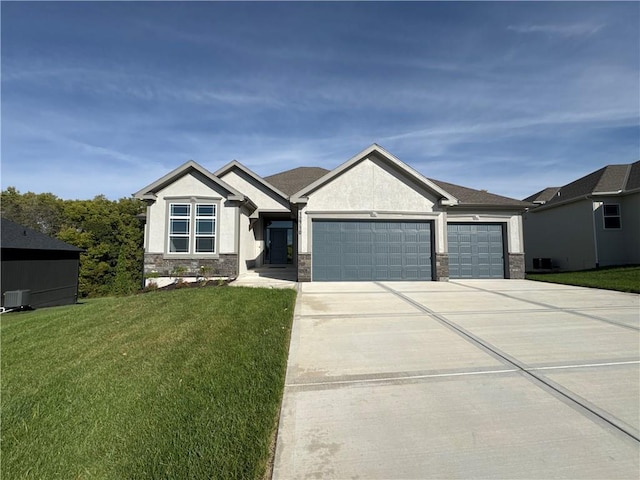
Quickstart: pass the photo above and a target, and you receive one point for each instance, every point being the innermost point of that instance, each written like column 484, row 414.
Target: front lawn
column 623, row 279
column 179, row 384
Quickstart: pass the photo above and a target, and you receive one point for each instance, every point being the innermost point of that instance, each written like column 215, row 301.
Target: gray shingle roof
column 469, row 196
column 294, row 180
column 542, row 196
column 633, row 182
column 613, row 179
column 13, row 235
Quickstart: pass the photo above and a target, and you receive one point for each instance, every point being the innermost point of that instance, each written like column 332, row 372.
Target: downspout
column 595, row 233
column 238, row 218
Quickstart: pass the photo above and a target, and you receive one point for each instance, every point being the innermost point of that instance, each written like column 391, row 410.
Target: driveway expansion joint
column 573, row 311
column 569, row 397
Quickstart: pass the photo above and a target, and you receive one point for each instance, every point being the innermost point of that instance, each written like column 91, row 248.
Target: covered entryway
column 475, row 250
column 356, row 250
column 278, row 236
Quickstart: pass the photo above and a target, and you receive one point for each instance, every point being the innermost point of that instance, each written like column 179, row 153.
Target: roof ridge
column 626, row 176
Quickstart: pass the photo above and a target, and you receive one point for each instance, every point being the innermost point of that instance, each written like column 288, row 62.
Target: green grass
column 623, row 279
column 180, row 384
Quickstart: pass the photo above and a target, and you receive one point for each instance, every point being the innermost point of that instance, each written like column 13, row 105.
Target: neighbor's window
column 611, row 213
column 185, row 239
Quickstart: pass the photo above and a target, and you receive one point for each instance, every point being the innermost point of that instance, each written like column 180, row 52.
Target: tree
column 39, row 211
column 109, row 232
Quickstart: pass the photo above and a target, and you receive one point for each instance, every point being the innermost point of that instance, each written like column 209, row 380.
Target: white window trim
column 193, row 202
column 197, row 235
column 179, row 235
column 618, row 216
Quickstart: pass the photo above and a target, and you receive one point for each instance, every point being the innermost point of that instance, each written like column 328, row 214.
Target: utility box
column 542, row 264
column 16, row 299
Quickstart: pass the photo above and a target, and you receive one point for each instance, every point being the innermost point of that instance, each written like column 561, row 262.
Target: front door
column 278, row 246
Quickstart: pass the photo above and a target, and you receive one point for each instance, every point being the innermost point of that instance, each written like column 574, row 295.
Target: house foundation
column 159, row 265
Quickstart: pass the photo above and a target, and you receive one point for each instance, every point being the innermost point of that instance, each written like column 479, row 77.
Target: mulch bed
column 199, row 284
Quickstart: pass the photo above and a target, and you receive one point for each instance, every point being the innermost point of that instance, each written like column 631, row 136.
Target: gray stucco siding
column 191, row 186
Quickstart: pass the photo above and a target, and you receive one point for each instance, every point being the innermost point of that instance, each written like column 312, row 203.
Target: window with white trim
column 192, row 227
column 205, row 228
column 179, row 227
column 611, row 215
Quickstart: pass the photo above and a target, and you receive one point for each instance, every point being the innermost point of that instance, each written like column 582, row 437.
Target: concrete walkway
column 272, row 276
column 465, row 379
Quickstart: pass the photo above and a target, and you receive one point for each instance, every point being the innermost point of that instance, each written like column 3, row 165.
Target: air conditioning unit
column 16, row 298
column 542, row 264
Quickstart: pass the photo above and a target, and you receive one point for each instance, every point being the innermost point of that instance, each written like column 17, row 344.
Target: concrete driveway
column 465, row 379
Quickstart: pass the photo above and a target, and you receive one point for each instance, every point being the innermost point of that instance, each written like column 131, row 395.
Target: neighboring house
column 45, row 266
column 371, row 218
column 589, row 223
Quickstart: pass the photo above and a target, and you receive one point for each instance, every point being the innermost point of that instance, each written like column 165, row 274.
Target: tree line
column 110, row 233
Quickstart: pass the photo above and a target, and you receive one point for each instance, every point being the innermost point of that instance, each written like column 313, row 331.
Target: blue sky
column 106, row 97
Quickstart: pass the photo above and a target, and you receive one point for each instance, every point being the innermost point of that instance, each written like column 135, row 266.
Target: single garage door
column 371, row 250
column 475, row 250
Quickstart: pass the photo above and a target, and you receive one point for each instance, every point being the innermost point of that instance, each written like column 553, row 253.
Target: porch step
column 268, row 277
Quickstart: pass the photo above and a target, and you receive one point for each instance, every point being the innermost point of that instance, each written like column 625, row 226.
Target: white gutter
column 604, row 194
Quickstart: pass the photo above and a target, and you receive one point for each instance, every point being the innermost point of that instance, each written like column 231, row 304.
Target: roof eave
column 236, row 164
column 489, row 206
column 606, row 194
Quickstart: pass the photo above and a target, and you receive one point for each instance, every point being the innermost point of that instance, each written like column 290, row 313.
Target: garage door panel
column 382, row 260
column 411, row 260
column 395, row 260
column 475, row 250
column 371, row 250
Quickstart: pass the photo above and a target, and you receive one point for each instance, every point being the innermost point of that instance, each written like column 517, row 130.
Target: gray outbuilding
column 43, row 266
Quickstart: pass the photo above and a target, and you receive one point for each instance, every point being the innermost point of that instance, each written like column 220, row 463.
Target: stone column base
column 516, row 266
column 304, row 267
column 442, row 267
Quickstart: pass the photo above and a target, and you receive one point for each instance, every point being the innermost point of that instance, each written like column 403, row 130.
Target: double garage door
column 371, row 250
column 390, row 250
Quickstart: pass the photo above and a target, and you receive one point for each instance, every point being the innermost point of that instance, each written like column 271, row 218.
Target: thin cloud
column 571, row 30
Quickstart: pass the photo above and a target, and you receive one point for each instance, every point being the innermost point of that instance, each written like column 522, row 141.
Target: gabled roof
column 149, row 192
column 291, row 181
column 471, row 197
column 380, row 153
column 543, row 196
column 16, row 236
column 234, row 164
column 610, row 180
